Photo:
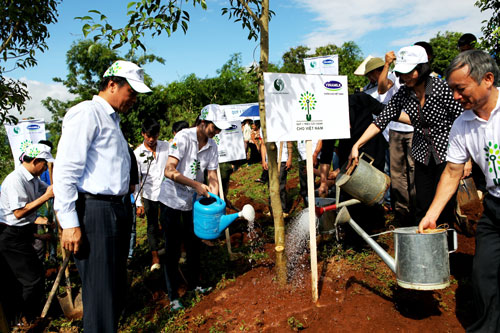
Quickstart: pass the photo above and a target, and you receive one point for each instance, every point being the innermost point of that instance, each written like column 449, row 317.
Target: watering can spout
column 344, row 217
column 226, row 220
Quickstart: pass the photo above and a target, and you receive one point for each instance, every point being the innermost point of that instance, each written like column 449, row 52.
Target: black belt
column 103, row 197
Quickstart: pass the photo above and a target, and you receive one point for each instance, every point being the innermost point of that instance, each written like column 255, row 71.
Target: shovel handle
column 54, row 287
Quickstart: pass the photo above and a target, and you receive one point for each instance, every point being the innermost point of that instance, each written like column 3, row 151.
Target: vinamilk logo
column 307, row 102
column 333, row 85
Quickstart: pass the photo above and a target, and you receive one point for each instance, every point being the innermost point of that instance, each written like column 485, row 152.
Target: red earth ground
column 355, row 295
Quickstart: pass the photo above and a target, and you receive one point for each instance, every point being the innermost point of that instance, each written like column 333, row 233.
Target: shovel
column 71, row 309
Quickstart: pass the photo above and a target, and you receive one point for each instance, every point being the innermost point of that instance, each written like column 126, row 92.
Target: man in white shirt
column 191, row 153
column 475, row 134
column 22, row 194
column 151, row 157
column 91, row 177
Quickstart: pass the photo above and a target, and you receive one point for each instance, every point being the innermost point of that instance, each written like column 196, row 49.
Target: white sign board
column 322, row 65
column 306, row 107
column 233, row 111
column 230, row 143
column 25, row 133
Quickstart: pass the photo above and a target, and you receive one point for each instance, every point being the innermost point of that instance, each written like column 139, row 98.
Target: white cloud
column 340, row 21
column 38, row 91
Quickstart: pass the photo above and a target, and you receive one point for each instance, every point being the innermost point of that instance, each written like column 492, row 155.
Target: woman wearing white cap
column 22, row 194
column 191, row 153
column 429, row 106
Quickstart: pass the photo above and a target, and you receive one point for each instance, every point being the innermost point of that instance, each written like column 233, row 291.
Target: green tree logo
column 195, row 166
column 493, row 159
column 307, row 102
column 279, row 85
column 25, row 145
column 217, row 139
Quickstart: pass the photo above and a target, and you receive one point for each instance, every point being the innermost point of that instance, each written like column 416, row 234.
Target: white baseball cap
column 409, row 57
column 131, row 72
column 40, row 151
column 215, row 114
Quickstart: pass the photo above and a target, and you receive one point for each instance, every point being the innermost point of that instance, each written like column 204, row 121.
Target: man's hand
column 202, row 189
column 467, row 169
column 139, row 211
column 427, row 223
column 265, row 166
column 49, row 193
column 323, row 189
column 289, row 164
column 71, row 239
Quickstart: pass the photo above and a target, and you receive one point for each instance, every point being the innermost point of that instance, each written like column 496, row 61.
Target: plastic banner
column 322, row 65
column 24, row 133
column 230, row 143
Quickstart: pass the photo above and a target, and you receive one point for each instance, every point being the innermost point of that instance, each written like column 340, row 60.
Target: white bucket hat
column 131, row 72
column 409, row 57
column 214, row 113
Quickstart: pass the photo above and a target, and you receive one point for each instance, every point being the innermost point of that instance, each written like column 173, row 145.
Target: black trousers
column 152, row 210
column 102, row 261
column 26, row 293
column 486, row 267
column 178, row 226
column 426, row 181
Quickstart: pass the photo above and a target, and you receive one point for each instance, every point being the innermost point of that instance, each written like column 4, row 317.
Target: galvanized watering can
column 210, row 219
column 363, row 181
column 421, row 260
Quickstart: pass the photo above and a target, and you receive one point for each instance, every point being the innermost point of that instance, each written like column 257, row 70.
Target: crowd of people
column 427, row 132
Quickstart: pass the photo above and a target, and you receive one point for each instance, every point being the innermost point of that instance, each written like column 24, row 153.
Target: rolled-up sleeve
column 78, row 131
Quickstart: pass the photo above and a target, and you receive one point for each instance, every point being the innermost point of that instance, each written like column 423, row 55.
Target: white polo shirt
column 301, row 148
column 471, row 136
column 152, row 180
column 19, row 188
column 192, row 164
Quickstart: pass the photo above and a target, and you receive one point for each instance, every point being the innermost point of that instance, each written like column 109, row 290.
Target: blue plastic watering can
column 210, row 219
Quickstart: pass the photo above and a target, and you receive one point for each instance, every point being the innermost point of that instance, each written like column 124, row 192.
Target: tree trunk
column 272, row 156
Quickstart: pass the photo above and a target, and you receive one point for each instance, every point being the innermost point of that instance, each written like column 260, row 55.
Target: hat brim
column 222, row 124
column 138, row 86
column 404, row 68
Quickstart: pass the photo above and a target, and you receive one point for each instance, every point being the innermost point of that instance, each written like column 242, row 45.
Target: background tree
column 491, row 30
column 445, row 49
column 23, row 32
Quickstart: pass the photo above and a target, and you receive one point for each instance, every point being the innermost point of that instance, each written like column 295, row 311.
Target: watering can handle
column 368, row 156
column 219, row 200
column 455, row 241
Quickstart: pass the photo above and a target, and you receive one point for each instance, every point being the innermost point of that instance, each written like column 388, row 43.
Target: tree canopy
column 491, row 30
column 23, row 33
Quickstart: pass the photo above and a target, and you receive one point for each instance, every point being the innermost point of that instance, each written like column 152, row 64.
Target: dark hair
column 423, row 70
column 428, row 49
column 257, row 123
column 179, row 126
column 47, row 143
column 116, row 79
column 479, row 63
column 467, row 39
column 150, row 127
column 25, row 158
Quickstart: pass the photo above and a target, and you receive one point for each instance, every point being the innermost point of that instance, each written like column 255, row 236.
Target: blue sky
column 376, row 26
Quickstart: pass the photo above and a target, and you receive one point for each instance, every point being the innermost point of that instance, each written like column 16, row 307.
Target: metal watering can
column 421, row 260
column 210, row 219
column 363, row 181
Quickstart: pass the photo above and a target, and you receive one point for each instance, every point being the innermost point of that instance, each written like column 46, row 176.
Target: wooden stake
column 232, row 256
column 312, row 221
column 280, row 155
